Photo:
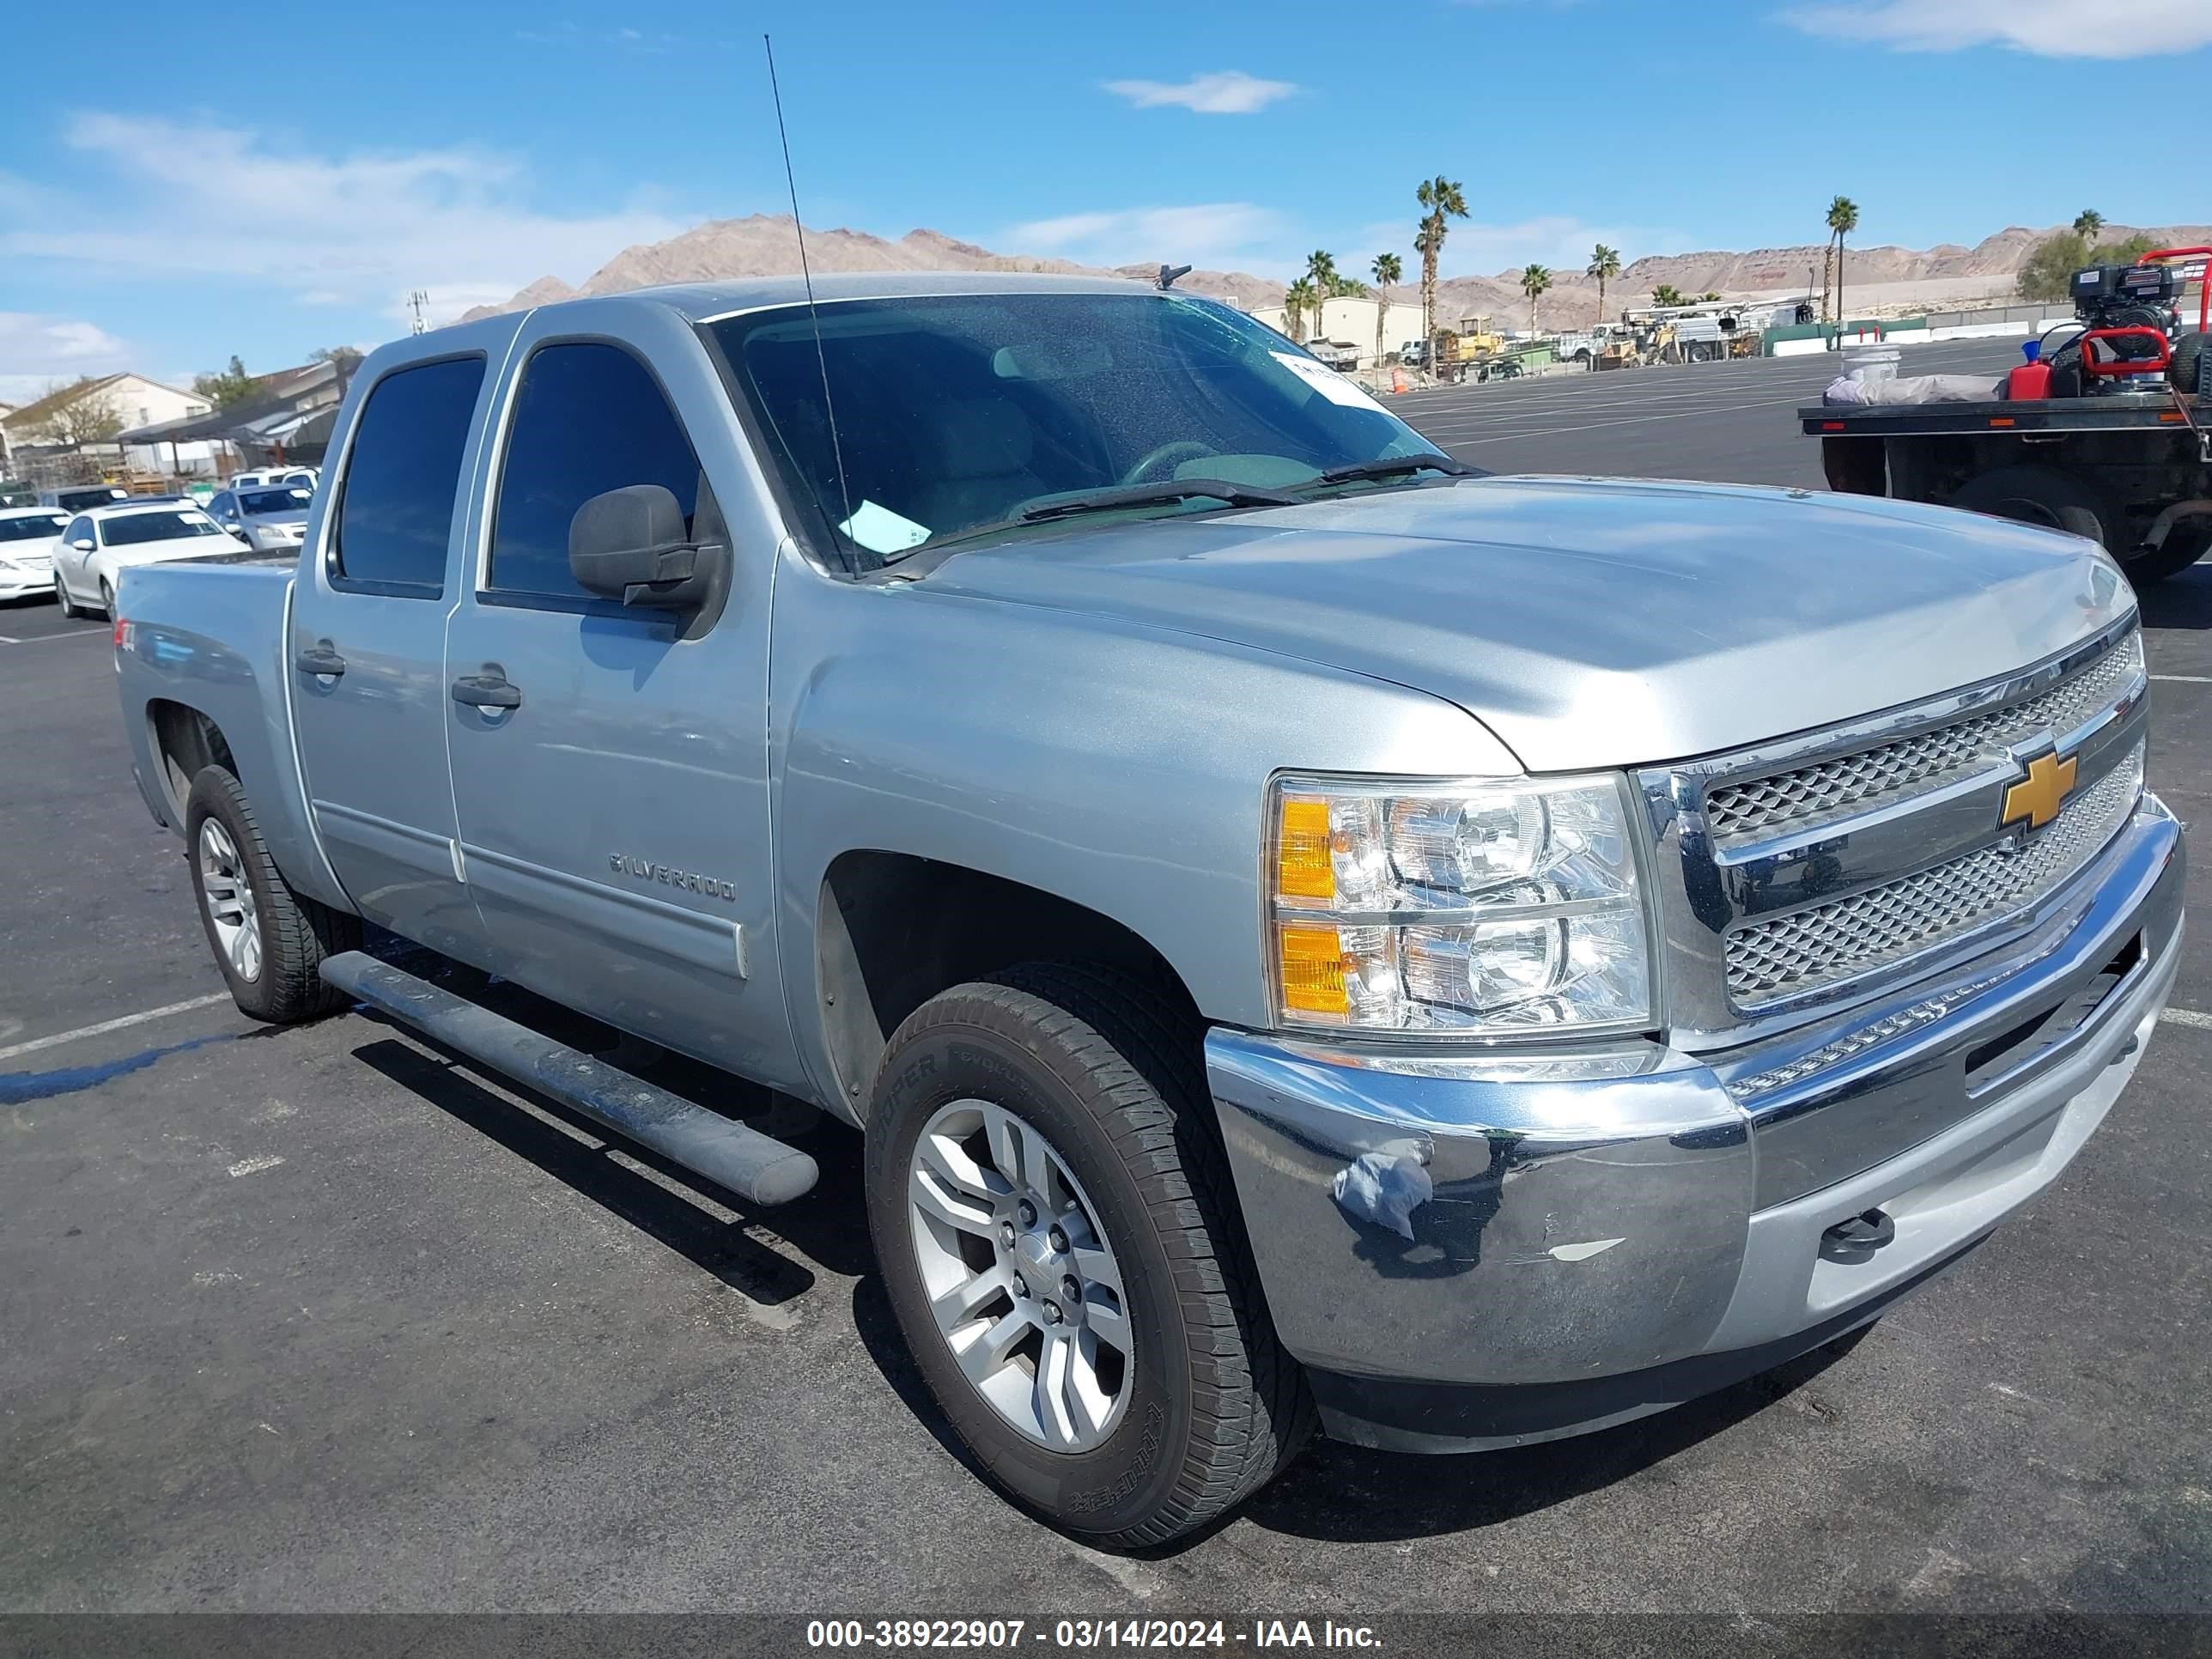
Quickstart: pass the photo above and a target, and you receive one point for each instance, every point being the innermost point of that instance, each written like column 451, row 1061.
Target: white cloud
column 1210, row 234
column 366, row 228
column 36, row 350
column 1226, row 92
column 2049, row 29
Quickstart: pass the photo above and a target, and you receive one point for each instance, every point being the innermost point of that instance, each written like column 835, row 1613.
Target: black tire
column 1108, row 1069
column 106, row 599
column 2185, row 545
column 2190, row 353
column 70, row 608
column 295, row 932
column 2044, row 495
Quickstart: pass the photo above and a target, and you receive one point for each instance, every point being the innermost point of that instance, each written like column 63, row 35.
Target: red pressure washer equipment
column 2129, row 338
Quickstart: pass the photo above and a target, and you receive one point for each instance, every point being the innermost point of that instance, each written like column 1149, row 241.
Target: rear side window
column 396, row 504
column 588, row 419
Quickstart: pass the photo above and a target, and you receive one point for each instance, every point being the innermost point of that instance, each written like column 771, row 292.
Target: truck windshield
column 956, row 414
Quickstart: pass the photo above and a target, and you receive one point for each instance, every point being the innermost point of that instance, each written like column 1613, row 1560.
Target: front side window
column 396, row 503
column 588, row 418
column 136, row 529
column 955, row 415
column 80, row 530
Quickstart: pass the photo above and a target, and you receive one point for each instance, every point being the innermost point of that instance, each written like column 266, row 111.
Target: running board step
column 744, row 1160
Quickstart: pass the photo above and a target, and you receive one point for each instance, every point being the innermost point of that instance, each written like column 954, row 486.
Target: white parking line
column 2185, row 679
column 2186, row 1016
column 47, row 639
column 107, row 1026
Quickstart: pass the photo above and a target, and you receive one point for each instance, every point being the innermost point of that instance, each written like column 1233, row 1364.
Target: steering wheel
column 1158, row 464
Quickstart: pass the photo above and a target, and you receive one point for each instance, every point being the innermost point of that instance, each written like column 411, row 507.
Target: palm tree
column 1299, row 299
column 1389, row 272
column 1320, row 271
column 2086, row 223
column 1535, row 280
column 1605, row 265
column 1842, row 220
column 1667, row 295
column 1444, row 200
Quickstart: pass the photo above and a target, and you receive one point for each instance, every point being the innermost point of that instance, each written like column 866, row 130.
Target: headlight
column 1483, row 908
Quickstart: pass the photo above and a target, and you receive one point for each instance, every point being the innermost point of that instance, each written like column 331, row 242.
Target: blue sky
column 152, row 217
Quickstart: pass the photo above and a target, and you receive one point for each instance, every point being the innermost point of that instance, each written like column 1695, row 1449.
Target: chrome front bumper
column 1469, row 1250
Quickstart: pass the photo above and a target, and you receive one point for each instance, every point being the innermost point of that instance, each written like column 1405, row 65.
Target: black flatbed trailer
column 2132, row 470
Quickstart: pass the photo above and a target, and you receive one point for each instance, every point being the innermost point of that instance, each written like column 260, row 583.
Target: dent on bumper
column 1492, row 1222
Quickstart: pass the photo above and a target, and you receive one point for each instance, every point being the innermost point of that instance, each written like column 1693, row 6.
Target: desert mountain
column 766, row 245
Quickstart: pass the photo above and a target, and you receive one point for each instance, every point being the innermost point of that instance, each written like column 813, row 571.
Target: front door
column 365, row 655
column 610, row 773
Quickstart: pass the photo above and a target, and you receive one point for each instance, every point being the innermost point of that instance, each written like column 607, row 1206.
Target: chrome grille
column 1803, row 797
column 1832, row 943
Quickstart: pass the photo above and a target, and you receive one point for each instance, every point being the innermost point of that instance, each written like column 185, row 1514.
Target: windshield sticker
column 1327, row 381
column 881, row 531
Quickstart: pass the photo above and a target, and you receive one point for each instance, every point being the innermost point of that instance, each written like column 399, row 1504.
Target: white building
column 1352, row 321
column 116, row 402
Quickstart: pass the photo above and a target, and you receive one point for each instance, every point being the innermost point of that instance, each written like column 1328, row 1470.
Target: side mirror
column 83, row 544
column 630, row 544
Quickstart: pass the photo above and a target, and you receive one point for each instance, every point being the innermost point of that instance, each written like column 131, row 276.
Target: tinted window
column 396, row 503
column 135, row 529
column 588, row 419
column 35, row 528
column 80, row 530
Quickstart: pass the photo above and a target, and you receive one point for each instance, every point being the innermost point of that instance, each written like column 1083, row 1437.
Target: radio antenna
column 813, row 315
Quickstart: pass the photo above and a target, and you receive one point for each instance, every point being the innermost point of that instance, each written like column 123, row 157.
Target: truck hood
column 1595, row 623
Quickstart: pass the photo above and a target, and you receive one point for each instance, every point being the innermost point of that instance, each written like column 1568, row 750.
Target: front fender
column 1122, row 767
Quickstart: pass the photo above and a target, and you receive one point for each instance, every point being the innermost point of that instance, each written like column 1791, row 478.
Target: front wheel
column 108, row 599
column 269, row 940
column 70, row 608
column 1061, row 1244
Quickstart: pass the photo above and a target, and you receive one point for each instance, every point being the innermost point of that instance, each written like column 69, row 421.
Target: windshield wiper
column 1146, row 495
column 1108, row 499
column 1402, row 466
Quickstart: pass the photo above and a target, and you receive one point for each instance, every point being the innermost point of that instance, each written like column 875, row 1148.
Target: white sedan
column 29, row 536
column 99, row 544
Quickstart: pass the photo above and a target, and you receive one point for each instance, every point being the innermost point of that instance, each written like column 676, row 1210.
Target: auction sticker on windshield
column 1327, row 381
column 881, row 531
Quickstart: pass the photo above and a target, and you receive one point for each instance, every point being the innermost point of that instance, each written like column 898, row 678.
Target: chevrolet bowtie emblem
column 2036, row 798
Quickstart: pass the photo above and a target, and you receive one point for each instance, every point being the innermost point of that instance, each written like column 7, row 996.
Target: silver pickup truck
column 1307, row 932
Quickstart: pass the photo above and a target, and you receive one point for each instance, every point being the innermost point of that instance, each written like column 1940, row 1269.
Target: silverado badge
column 2044, row 785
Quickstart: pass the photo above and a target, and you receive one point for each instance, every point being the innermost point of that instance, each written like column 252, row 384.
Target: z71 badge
column 668, row 876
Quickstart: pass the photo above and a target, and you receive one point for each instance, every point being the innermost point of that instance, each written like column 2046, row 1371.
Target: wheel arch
column 893, row 929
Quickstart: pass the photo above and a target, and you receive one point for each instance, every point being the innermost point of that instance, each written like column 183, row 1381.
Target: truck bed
column 2001, row 415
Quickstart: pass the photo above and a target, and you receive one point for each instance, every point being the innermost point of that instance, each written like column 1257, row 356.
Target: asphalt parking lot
column 317, row 1319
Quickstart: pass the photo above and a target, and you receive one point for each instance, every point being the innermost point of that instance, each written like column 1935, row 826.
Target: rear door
column 367, row 656
column 614, row 819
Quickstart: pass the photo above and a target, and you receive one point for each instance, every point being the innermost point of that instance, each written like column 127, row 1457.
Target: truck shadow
column 1341, row 1493
column 700, row 1221
column 2180, row 601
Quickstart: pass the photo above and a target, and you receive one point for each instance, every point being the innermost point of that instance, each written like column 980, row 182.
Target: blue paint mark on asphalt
column 18, row 1087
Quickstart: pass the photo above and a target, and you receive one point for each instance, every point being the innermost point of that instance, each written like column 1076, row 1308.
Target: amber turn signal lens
column 1304, row 868
column 1313, row 969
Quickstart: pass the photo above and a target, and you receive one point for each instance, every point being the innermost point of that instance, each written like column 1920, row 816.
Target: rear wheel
column 2044, row 495
column 1060, row 1244
column 269, row 940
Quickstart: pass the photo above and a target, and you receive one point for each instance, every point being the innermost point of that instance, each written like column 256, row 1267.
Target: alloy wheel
column 1024, row 1288
column 229, row 898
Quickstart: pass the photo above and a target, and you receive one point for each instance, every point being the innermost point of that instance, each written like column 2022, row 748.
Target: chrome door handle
column 320, row 659
column 487, row 691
